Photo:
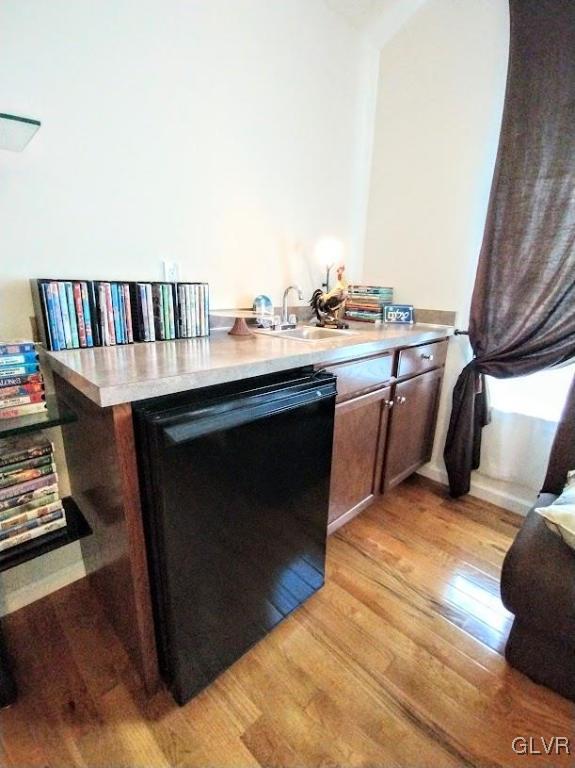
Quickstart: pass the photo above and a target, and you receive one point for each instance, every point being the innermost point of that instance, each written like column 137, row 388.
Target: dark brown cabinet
column 358, row 443
column 412, row 427
column 384, row 423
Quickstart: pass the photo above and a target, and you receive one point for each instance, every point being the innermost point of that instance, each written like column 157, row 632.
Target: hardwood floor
column 396, row 662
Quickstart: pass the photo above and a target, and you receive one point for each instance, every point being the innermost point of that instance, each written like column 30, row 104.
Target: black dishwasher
column 235, row 486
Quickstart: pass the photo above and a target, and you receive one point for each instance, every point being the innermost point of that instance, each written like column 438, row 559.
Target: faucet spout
column 285, row 316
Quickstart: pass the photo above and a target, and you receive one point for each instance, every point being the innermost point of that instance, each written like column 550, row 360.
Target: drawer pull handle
column 426, row 356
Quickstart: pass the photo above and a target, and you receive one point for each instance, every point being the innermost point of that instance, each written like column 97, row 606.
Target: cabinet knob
column 400, row 399
column 388, row 404
column 426, row 356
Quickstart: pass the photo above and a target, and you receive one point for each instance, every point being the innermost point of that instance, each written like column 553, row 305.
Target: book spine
column 30, row 497
column 171, row 311
column 86, row 315
column 33, row 514
column 202, row 311
column 18, row 370
column 150, row 305
column 143, row 317
column 187, row 324
column 17, row 348
column 26, row 454
column 80, row 314
column 16, row 381
column 65, row 315
column 122, row 307
column 30, row 507
column 20, row 390
column 26, row 358
column 110, row 314
column 129, row 322
column 28, row 525
column 31, row 463
column 185, row 311
column 8, row 402
column 94, row 318
column 165, row 312
column 158, row 311
column 180, row 330
column 31, row 485
column 47, row 314
column 35, row 533
column 206, row 309
column 22, row 410
column 116, row 312
column 103, row 314
column 26, row 475
column 52, row 328
column 55, row 294
column 72, row 315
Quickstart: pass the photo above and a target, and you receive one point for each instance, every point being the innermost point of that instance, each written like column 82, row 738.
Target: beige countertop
column 120, row 374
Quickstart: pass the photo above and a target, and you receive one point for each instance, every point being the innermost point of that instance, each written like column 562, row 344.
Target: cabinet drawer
column 362, row 375
column 423, row 358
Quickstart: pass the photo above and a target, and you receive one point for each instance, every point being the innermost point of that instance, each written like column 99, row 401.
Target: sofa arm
column 538, row 579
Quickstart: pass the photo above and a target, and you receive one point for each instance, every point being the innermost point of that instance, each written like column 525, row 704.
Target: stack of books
column 82, row 313
column 365, row 302
column 68, row 312
column 30, row 504
column 193, row 310
column 21, row 382
column 113, row 313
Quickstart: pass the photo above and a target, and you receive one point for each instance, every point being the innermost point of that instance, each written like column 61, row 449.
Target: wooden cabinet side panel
column 101, row 460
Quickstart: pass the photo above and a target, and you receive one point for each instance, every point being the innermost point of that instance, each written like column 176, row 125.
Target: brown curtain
column 523, row 306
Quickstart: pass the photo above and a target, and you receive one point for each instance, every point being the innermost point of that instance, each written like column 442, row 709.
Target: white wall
column 227, row 135
column 440, row 99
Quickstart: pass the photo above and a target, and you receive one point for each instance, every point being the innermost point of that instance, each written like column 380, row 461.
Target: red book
column 80, row 314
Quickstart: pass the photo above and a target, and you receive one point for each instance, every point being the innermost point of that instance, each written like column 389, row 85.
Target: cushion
column 560, row 516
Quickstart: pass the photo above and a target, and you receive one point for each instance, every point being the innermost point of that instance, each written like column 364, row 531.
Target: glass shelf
column 77, row 528
column 53, row 416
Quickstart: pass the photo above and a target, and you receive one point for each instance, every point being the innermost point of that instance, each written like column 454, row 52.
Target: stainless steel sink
column 309, row 333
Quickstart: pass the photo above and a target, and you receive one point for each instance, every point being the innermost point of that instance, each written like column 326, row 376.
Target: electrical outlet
column 171, row 271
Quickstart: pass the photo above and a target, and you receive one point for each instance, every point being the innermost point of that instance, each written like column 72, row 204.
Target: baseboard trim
column 482, row 488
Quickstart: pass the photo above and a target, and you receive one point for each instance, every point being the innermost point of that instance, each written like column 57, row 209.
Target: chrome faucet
column 285, row 317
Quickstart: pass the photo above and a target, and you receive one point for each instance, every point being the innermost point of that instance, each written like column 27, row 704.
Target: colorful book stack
column 21, row 382
column 193, row 310
column 30, row 504
column 68, row 313
column 74, row 314
column 113, row 313
column 365, row 302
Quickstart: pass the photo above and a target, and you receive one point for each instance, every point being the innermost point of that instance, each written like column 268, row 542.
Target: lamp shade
column 16, row 132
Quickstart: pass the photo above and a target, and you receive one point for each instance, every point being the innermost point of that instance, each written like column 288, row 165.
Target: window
column 540, row 395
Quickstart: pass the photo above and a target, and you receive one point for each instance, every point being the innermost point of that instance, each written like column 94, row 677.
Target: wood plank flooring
column 397, row 661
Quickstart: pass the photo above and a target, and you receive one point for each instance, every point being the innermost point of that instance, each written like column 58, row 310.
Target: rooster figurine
column 327, row 306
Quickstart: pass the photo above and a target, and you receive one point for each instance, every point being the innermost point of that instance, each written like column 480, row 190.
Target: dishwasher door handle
column 205, row 421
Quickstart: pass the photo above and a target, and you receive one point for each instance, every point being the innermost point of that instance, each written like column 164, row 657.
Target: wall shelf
column 77, row 528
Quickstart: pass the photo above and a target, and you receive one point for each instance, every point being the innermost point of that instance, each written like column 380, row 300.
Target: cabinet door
column 412, row 427
column 358, row 443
